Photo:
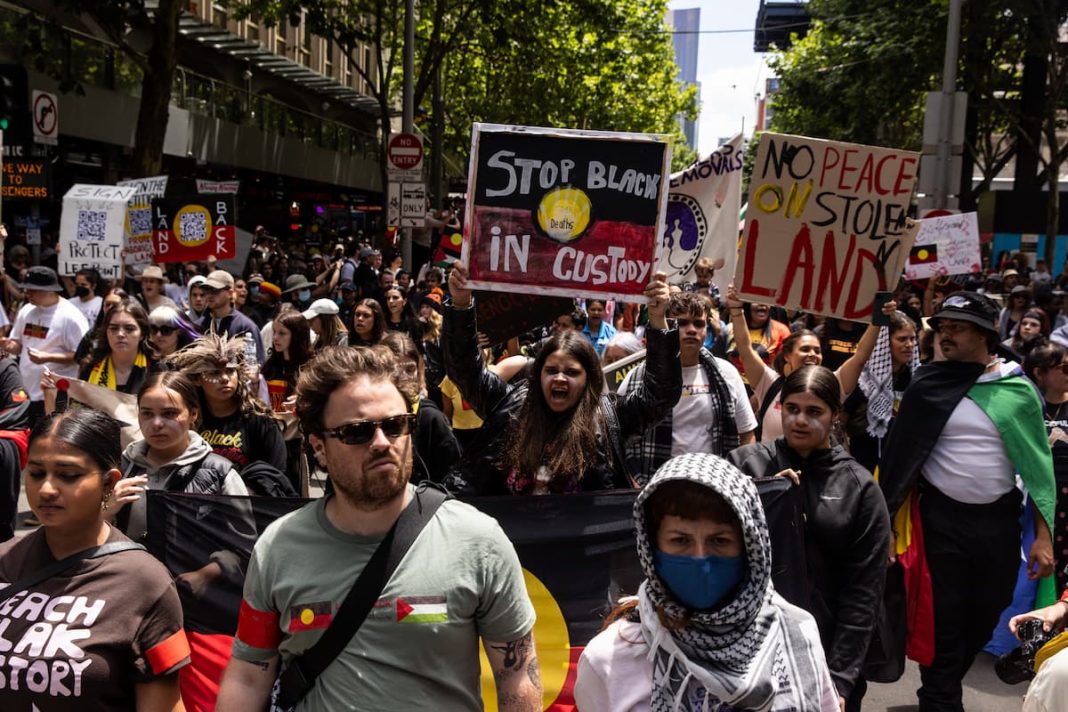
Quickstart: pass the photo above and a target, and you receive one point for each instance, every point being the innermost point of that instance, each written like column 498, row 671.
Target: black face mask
column 81, row 292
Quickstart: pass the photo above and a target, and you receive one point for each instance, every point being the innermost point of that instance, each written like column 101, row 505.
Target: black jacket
column 480, row 471
column 847, row 537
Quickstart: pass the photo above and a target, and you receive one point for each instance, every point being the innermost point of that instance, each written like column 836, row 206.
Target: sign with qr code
column 91, row 229
column 194, row 228
column 139, row 218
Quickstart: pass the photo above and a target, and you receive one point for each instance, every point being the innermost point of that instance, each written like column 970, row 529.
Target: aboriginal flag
column 923, row 254
column 577, row 552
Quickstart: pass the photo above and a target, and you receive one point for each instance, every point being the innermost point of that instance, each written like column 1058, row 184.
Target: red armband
column 258, row 629
column 163, row 656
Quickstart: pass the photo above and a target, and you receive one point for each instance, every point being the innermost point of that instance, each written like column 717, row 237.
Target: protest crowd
column 799, row 482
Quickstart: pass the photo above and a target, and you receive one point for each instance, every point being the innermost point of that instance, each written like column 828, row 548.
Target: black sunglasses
column 165, row 330
column 362, row 432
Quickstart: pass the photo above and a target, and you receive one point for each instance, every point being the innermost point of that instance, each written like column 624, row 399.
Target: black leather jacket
column 481, row 471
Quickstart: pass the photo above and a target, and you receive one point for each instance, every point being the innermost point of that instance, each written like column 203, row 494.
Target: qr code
column 140, row 221
column 92, row 225
column 193, row 226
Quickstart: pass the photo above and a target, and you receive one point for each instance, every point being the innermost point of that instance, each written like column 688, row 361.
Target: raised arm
column 752, row 364
column 516, row 673
column 849, row 372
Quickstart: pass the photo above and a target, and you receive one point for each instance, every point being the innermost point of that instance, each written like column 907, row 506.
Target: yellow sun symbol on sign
column 192, row 225
column 564, row 214
column 550, row 640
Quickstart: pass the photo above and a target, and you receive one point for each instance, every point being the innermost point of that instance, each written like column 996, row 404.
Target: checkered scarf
column 652, row 448
column 750, row 653
column 877, row 383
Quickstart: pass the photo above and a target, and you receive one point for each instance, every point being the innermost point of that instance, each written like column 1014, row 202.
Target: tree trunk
column 1053, row 217
column 161, row 62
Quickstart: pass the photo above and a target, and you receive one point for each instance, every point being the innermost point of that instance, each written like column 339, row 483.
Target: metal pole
column 949, row 90
column 408, row 120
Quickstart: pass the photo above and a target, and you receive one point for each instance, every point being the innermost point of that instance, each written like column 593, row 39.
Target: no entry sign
column 405, row 152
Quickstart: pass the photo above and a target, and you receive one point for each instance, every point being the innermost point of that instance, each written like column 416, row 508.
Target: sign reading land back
column 193, row 228
column 826, row 226
column 561, row 212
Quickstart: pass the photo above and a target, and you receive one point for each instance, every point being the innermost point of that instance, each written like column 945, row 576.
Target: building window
column 218, row 15
column 252, row 31
column 280, row 42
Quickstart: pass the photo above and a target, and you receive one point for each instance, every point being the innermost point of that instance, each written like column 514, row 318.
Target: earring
column 104, row 502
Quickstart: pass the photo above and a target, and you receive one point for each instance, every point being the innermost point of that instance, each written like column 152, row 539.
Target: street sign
column 405, row 152
column 413, row 205
column 45, row 117
column 393, row 210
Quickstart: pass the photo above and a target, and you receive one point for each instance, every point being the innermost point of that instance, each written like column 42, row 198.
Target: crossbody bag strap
column 301, row 672
column 765, row 405
column 58, row 567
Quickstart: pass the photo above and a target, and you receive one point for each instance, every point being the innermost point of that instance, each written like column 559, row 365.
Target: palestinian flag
column 577, row 553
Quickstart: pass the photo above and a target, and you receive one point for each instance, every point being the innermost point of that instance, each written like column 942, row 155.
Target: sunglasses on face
column 685, row 323
column 164, row 330
column 362, row 432
column 128, row 328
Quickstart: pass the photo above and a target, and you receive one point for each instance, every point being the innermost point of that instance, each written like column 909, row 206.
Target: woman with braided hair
column 234, row 421
column 707, row 630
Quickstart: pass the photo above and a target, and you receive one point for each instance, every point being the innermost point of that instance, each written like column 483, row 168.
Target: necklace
column 1055, row 414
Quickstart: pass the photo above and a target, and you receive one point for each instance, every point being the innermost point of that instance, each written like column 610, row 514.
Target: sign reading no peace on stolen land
column 827, row 226
column 564, row 212
column 91, row 229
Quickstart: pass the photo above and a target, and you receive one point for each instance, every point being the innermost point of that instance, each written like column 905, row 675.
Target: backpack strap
column 765, row 405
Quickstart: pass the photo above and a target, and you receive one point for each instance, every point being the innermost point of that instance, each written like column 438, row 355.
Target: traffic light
column 15, row 104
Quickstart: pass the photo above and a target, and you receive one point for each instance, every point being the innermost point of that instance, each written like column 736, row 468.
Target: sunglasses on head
column 165, row 330
column 362, row 432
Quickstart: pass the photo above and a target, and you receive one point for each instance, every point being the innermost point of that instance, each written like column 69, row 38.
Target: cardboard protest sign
column 139, row 218
column 614, row 373
column 91, row 229
column 561, row 212
column 193, row 228
column 702, row 216
column 826, row 226
column 502, row 315
column 945, row 245
column 120, row 406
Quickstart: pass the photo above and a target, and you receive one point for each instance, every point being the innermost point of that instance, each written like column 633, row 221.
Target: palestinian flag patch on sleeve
column 422, row 609
column 310, row 616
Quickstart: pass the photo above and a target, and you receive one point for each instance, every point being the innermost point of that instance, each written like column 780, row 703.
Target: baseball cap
column 321, row 307
column 220, row 279
column 971, row 307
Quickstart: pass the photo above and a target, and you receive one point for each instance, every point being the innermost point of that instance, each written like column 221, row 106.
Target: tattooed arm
column 515, row 670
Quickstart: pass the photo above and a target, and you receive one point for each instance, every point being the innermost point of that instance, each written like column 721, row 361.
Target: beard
column 370, row 492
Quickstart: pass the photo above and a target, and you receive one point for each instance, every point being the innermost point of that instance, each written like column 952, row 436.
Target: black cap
column 43, row 279
column 972, row 307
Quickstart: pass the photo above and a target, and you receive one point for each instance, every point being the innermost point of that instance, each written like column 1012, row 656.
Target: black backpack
column 265, row 480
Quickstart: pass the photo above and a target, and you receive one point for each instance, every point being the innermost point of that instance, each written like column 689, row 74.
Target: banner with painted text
column 91, row 229
column 139, row 218
column 577, row 553
column 193, row 228
column 945, row 245
column 826, row 226
column 563, row 212
column 702, row 216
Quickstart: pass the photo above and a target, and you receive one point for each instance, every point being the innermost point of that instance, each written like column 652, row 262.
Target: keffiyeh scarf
column 749, row 654
column 877, row 383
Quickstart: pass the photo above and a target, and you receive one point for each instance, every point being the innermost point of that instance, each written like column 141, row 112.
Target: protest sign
column 91, row 229
column 614, row 373
column 139, row 218
column 702, row 216
column 945, row 245
column 193, row 228
column 561, row 212
column 210, row 187
column 826, row 226
column 120, row 406
column 502, row 315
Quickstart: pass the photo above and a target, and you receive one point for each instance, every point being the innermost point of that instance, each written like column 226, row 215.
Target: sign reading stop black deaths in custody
column 563, row 212
column 826, row 226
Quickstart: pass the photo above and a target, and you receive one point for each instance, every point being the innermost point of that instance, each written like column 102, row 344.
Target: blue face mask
column 699, row 582
column 303, row 295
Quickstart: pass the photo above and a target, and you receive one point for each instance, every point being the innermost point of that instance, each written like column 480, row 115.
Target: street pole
column 408, row 119
column 949, row 91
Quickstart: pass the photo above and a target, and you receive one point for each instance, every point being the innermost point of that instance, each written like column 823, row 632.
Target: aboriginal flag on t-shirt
column 577, row 551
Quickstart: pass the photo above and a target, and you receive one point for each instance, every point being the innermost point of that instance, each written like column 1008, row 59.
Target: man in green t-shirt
column 459, row 582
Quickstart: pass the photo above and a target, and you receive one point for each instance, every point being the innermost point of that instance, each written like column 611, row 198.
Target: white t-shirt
column 89, row 309
column 58, row 328
column 969, row 462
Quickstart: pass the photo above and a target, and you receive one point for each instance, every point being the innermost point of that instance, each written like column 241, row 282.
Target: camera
column 1018, row 665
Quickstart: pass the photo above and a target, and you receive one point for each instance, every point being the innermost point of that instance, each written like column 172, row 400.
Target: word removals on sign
column 561, row 212
column 826, row 226
column 193, row 228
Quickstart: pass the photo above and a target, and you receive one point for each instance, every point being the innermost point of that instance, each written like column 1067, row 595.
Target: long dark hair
column 788, row 346
column 91, row 431
column 101, row 348
column 1044, row 356
column 300, row 346
column 817, row 380
column 565, row 443
column 377, row 328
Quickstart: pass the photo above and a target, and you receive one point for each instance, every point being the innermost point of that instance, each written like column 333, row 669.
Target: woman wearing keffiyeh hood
column 707, row 630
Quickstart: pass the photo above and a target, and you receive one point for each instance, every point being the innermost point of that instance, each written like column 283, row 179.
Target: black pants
column 973, row 553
